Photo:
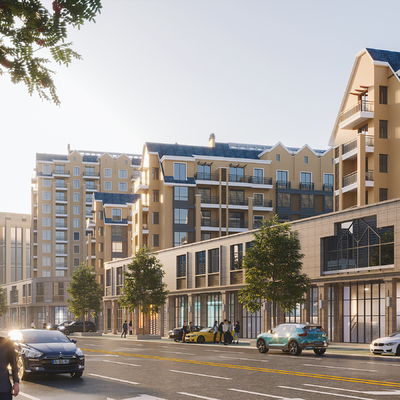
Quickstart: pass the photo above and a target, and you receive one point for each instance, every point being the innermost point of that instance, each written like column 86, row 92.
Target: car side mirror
column 73, row 341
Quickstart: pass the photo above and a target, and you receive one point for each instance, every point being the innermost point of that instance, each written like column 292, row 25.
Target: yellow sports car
column 205, row 335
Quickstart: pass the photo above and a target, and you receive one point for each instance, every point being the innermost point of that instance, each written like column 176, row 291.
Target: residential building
column 365, row 134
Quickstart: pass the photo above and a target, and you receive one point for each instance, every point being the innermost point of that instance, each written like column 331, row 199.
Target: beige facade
column 365, row 135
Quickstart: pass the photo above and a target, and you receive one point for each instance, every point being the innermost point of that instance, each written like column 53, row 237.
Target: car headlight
column 390, row 344
column 79, row 352
column 32, row 353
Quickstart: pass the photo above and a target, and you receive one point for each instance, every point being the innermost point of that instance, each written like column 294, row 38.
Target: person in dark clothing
column 124, row 329
column 130, row 328
column 7, row 356
column 236, row 331
column 221, row 331
column 184, row 331
column 215, row 329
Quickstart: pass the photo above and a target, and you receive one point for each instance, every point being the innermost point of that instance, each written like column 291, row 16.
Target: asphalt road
column 127, row 369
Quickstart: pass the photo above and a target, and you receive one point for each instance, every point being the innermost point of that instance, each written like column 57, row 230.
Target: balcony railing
column 60, row 172
column 214, row 223
column 264, row 203
column 350, row 179
column 362, row 105
column 204, row 176
column 238, row 224
column 282, row 184
column 210, row 199
column 306, row 186
column 328, row 188
column 369, row 140
column 369, row 176
column 347, row 147
column 250, row 179
column 237, row 202
column 88, row 174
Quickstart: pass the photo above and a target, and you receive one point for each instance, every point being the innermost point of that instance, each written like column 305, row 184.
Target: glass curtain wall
column 181, row 310
column 252, row 323
column 214, row 308
column 331, row 312
column 197, row 310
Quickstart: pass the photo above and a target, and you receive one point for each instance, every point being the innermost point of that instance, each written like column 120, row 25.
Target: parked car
column 55, row 326
column 42, row 351
column 202, row 336
column 77, row 326
column 386, row 345
column 176, row 333
column 294, row 338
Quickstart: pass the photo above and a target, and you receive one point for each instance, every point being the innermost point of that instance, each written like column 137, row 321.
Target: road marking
column 177, row 352
column 114, row 379
column 329, row 366
column 118, row 362
column 374, row 392
column 326, row 393
column 259, row 369
column 267, row 395
column 101, row 355
column 243, row 359
column 28, row 396
column 192, row 373
column 197, row 396
column 222, row 351
column 376, row 363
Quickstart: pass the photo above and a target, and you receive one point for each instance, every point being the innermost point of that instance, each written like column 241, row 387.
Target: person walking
column 236, row 332
column 215, row 329
column 7, row 356
column 230, row 330
column 225, row 329
column 124, row 329
column 221, row 331
column 130, row 327
column 33, row 324
column 184, row 331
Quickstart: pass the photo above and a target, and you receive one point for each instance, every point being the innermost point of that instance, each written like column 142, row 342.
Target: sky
column 175, row 71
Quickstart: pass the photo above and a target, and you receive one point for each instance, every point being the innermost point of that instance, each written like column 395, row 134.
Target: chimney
column 211, row 140
column 68, row 149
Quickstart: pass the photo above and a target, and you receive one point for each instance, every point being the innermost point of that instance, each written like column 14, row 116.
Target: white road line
column 326, row 393
column 207, row 376
column 379, row 362
column 221, row 351
column 243, row 359
column 114, row 379
column 267, row 395
column 177, row 352
column 330, row 366
column 118, row 362
column 197, row 396
column 373, row 392
column 28, row 396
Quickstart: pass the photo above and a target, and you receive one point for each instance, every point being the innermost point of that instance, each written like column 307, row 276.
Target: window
column 76, row 235
column 383, row 95
column 383, row 194
column 155, row 218
column 61, row 262
column 100, row 263
column 100, row 215
column 257, row 221
column 122, row 173
column 156, row 196
column 181, row 193
column 258, row 199
column 258, row 176
column 60, row 209
column 77, row 210
column 46, row 221
column 61, row 248
column 201, row 263
column 46, row 247
column 122, row 186
column 283, row 200
column 76, row 262
column 61, row 223
column 282, row 178
column 305, row 181
column 107, row 186
column 46, row 195
column 60, row 183
column 76, row 248
column 205, row 194
column 181, row 266
column 46, row 273
column 90, row 185
column 46, row 183
column 206, row 218
column 180, row 216
column 213, row 260
column 236, row 256
column 155, row 174
column 236, row 174
column 116, row 247
column 61, row 196
column 100, row 231
column 383, row 129
column 46, row 208
column 107, row 172
column 180, row 238
column 61, row 235
column 100, row 247
column 60, row 169
column 46, row 261
column 155, row 241
column 77, row 196
column 89, row 198
column 46, row 235
column 179, row 172
column 89, row 171
column 236, row 197
column 328, row 181
column 46, row 170
column 116, row 214
column 77, row 171
column 278, row 157
column 305, row 160
column 204, row 172
column 77, row 223
column 76, row 183
column 58, row 289
column 383, row 165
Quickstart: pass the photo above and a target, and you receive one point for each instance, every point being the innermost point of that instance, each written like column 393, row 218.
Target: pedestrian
column 124, row 329
column 225, row 329
column 191, row 327
column 221, row 331
column 33, row 326
column 230, row 330
column 7, row 356
column 184, row 331
column 215, row 329
column 236, row 332
column 130, row 327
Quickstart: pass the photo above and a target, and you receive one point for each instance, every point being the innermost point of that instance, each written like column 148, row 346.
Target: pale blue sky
column 250, row 71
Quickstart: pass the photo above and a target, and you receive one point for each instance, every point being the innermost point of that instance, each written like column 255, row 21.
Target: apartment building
column 365, row 134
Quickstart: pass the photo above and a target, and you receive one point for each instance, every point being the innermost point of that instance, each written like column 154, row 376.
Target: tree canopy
column 273, row 268
column 3, row 302
column 86, row 294
column 28, row 29
column 144, row 288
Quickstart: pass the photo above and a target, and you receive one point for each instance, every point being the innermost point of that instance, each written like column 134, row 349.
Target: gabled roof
column 116, row 198
column 390, row 57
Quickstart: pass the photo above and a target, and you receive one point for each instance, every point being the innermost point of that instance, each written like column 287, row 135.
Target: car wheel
column 261, row 346
column 319, row 352
column 76, row 375
column 66, row 332
column 201, row 339
column 90, row 330
column 177, row 340
column 294, row 348
column 398, row 350
column 285, row 351
column 21, row 369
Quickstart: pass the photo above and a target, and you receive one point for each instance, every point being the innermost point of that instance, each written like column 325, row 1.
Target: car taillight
column 304, row 334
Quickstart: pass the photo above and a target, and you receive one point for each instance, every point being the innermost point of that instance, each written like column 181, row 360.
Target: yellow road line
column 247, row 368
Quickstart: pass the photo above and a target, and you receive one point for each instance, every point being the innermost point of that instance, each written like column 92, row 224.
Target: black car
column 176, row 333
column 42, row 351
column 55, row 326
column 77, row 326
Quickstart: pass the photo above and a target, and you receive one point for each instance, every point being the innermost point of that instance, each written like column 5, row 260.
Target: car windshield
column 313, row 329
column 42, row 336
column 395, row 334
column 205, row 329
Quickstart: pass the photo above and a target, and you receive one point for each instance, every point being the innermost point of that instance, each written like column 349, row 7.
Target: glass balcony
column 357, row 114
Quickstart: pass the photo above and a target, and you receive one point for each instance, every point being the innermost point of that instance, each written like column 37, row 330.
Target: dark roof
column 50, row 157
column 116, row 198
column 87, row 158
column 391, row 57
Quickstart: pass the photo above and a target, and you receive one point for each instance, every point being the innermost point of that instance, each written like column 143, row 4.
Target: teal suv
column 294, row 338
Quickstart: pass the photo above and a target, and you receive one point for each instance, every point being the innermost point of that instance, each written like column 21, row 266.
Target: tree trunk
column 84, row 322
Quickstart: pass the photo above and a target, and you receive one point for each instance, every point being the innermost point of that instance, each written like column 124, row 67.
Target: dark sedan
column 77, row 326
column 41, row 351
column 176, row 333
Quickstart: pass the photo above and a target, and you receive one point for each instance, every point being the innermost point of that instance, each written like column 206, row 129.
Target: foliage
column 272, row 268
column 86, row 294
column 144, row 288
column 27, row 27
column 3, row 302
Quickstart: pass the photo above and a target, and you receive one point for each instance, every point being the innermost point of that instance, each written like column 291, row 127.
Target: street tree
column 273, row 269
column 3, row 302
column 32, row 35
column 144, row 288
column 86, row 294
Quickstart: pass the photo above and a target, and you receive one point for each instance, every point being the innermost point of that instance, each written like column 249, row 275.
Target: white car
column 386, row 345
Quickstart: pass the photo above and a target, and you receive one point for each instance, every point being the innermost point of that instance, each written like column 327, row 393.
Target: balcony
column 204, row 176
column 237, row 224
column 209, row 199
column 238, row 202
column 262, row 204
column 91, row 175
column 282, row 184
column 61, row 172
column 356, row 115
column 211, row 223
column 306, row 186
column 250, row 179
column 140, row 186
column 349, row 182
